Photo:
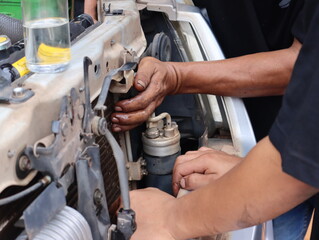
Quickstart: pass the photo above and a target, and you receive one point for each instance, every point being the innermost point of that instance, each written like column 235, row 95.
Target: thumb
column 145, row 71
column 195, row 181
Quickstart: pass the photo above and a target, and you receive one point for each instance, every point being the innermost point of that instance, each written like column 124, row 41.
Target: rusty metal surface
column 9, row 214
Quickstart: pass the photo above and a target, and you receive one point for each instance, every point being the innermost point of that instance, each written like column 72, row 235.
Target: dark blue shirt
column 295, row 132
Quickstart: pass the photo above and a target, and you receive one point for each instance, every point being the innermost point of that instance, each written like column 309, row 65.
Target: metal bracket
column 106, row 84
column 123, row 81
column 67, row 141
column 72, row 132
column 14, row 95
column 136, row 170
column 107, row 11
column 167, row 6
column 52, row 199
column 91, row 193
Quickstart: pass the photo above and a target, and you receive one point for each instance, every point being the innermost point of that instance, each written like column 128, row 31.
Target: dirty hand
column 152, row 208
column 197, row 168
column 154, row 80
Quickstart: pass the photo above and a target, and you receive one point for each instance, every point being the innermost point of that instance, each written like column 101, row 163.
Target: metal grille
column 10, row 213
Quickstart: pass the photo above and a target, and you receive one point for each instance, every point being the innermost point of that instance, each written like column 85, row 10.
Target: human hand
column 154, row 80
column 152, row 208
column 197, row 168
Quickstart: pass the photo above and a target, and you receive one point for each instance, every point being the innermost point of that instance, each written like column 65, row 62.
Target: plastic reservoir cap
column 5, row 42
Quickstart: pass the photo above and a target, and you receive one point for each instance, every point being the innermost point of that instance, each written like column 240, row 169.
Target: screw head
column 24, row 163
column 11, row 153
column 18, row 92
column 98, row 197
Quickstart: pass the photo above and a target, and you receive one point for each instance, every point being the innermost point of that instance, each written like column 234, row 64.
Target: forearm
column 260, row 74
column 90, row 8
column 254, row 191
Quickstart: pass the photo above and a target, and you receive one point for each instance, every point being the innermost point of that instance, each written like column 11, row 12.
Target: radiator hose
column 11, row 27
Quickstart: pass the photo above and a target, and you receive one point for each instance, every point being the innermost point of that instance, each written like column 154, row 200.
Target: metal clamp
column 106, row 84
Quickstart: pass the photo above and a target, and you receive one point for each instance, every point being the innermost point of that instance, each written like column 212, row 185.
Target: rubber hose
column 11, row 27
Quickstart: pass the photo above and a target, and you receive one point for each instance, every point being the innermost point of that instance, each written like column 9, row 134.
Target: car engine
column 64, row 174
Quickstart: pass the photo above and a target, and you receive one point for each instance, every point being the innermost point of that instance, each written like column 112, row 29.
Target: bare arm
column 254, row 191
column 260, row 74
column 90, row 8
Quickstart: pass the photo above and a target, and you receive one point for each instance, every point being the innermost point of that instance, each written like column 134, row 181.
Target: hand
column 152, row 213
column 154, row 80
column 197, row 168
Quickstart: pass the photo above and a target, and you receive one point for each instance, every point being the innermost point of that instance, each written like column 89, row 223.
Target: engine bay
column 63, row 171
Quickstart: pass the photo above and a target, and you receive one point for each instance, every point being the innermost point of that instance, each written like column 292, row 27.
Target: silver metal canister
column 161, row 146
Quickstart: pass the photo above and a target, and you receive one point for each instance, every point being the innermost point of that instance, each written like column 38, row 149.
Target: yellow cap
column 3, row 39
column 5, row 42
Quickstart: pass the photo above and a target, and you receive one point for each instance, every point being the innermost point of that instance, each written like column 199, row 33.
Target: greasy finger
column 133, row 118
column 123, row 128
column 154, row 92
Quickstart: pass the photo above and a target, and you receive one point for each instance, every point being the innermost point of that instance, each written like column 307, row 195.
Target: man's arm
column 254, row 191
column 90, row 8
column 260, row 74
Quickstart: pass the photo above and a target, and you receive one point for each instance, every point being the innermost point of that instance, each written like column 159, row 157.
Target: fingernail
column 182, row 183
column 115, row 120
column 117, row 129
column 118, row 109
column 141, row 83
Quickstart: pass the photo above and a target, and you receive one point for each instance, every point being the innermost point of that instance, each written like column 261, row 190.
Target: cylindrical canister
column 161, row 146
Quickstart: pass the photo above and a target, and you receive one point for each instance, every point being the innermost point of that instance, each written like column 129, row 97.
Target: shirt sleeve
column 304, row 19
column 295, row 132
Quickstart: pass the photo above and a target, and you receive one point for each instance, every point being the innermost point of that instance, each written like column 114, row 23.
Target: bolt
column 144, row 172
column 24, row 163
column 97, row 197
column 102, row 126
column 143, row 162
column 18, row 92
column 11, row 153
